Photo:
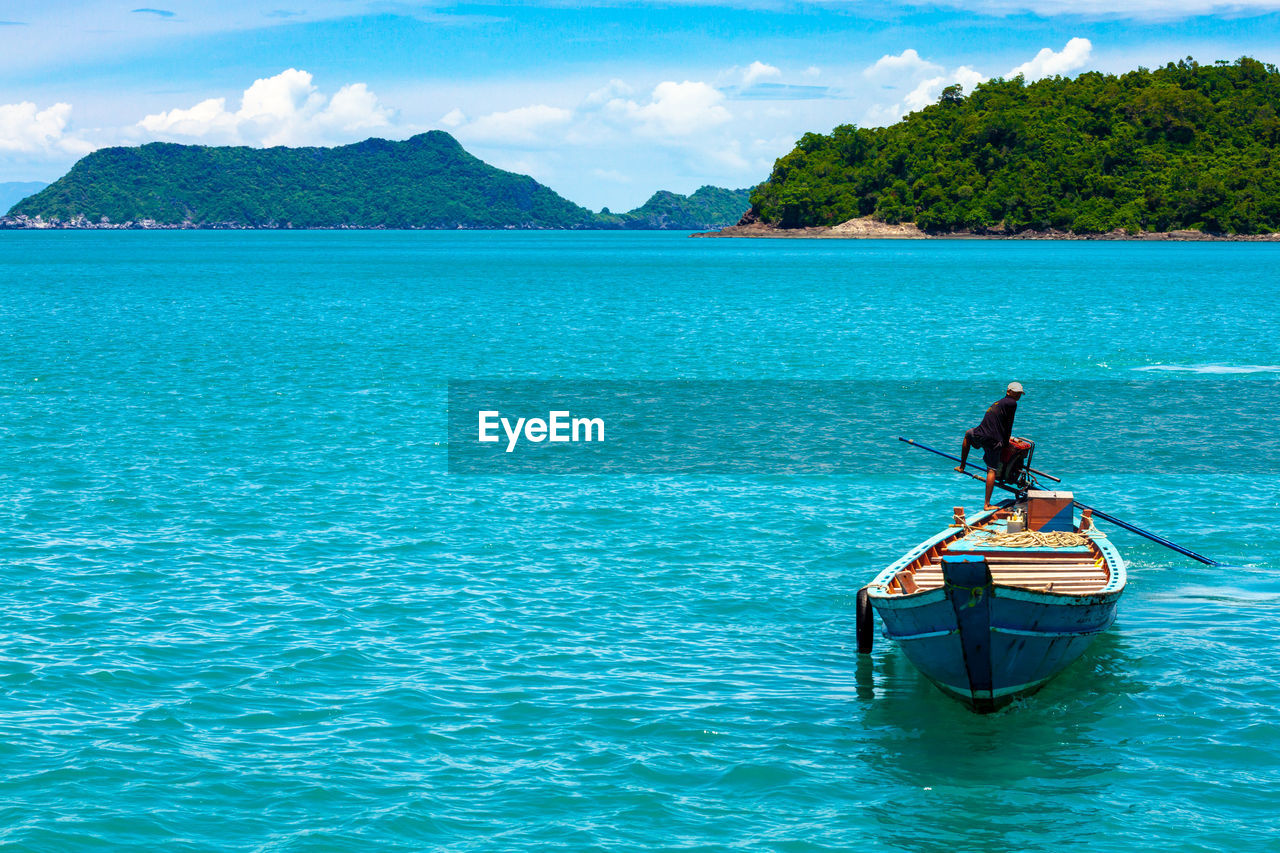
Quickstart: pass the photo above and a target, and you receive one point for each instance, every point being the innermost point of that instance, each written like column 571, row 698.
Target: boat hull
column 987, row 642
column 1008, row 644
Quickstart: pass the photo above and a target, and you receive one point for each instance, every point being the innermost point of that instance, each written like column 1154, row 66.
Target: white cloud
column 354, row 108
column 1047, row 63
column 615, row 89
column 206, row 119
column 673, row 109
column 524, row 124
column 928, row 91
column 615, row 144
column 27, row 129
column 286, row 109
column 1131, row 9
column 880, row 115
column 757, row 71
column 284, row 96
column 906, row 64
column 675, row 116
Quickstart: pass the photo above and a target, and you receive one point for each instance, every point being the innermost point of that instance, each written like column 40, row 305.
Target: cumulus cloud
column 286, row 109
column 617, row 142
column 1133, row 9
column 524, row 124
column 673, row 109
column 454, row 118
column 354, row 107
column 909, row 65
column 906, row 64
column 761, row 82
column 881, row 115
column 757, row 71
column 928, row 90
column 672, row 114
column 1048, row 63
column 615, row 89
column 27, row 129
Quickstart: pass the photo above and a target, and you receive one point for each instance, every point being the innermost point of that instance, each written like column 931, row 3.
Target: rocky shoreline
column 80, row 223
column 866, row 228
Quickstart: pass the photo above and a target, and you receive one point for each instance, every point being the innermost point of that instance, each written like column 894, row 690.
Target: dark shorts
column 990, row 452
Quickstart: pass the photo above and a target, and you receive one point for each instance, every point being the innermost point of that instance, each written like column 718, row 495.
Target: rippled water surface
column 245, row 607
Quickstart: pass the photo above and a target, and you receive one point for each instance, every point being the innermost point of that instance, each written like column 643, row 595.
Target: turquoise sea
column 247, row 607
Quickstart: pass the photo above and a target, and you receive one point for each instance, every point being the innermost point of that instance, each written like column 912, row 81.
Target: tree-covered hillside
column 708, row 207
column 427, row 181
column 1183, row 146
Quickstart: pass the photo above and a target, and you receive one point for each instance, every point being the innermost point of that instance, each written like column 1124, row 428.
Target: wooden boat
column 993, row 608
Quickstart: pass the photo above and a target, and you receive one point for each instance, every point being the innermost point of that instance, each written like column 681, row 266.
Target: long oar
column 966, row 470
column 957, row 459
column 1154, row 537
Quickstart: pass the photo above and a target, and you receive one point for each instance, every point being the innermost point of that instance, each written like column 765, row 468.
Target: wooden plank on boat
column 1055, row 570
column 1037, row 555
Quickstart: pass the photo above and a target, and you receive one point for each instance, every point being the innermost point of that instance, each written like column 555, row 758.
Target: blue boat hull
column 1010, row 647
column 985, row 642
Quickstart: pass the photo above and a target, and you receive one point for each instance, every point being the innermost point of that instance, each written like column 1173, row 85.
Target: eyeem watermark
column 850, row 427
column 559, row 426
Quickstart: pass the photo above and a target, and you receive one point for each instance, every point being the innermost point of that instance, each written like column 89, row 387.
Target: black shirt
column 997, row 423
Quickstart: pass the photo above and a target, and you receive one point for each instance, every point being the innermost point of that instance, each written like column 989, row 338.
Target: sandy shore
column 867, row 228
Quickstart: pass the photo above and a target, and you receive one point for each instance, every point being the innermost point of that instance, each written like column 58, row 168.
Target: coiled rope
column 1037, row 539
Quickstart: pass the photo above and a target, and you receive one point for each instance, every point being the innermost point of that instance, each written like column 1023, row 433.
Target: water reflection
column 1046, row 758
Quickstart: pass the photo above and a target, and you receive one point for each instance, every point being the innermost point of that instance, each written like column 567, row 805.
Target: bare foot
column 960, row 468
column 989, row 506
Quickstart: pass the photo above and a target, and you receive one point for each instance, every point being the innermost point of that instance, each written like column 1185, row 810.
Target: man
column 992, row 436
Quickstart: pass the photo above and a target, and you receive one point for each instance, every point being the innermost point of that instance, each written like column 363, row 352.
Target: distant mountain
column 709, row 207
column 13, row 192
column 427, row 181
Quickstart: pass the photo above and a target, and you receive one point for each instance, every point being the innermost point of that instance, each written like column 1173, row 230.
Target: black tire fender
column 866, row 622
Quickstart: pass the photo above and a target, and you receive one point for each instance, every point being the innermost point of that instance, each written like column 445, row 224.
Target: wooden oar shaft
column 966, row 472
column 1154, row 537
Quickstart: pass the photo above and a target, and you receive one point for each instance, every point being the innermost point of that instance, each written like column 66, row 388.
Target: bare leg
column 964, row 453
column 991, row 482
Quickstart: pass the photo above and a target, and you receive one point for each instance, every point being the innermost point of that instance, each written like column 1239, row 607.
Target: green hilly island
column 668, row 210
column 1186, row 146
column 427, row 181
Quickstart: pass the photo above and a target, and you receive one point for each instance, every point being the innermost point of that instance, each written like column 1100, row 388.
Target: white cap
column 1015, row 387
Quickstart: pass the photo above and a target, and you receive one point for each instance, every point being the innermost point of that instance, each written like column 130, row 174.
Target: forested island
column 1186, row 146
column 427, row 181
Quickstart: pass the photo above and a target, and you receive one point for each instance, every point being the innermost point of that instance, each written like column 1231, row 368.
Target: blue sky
column 605, row 102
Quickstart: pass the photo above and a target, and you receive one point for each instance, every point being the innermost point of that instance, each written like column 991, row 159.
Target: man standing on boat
column 992, row 436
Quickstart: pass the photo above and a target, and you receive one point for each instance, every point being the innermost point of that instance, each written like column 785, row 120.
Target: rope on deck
column 1037, row 539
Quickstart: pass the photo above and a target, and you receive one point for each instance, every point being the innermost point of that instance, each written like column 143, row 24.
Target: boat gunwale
column 878, row 589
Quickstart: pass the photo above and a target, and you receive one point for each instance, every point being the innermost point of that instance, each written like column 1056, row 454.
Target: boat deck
column 1072, row 569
